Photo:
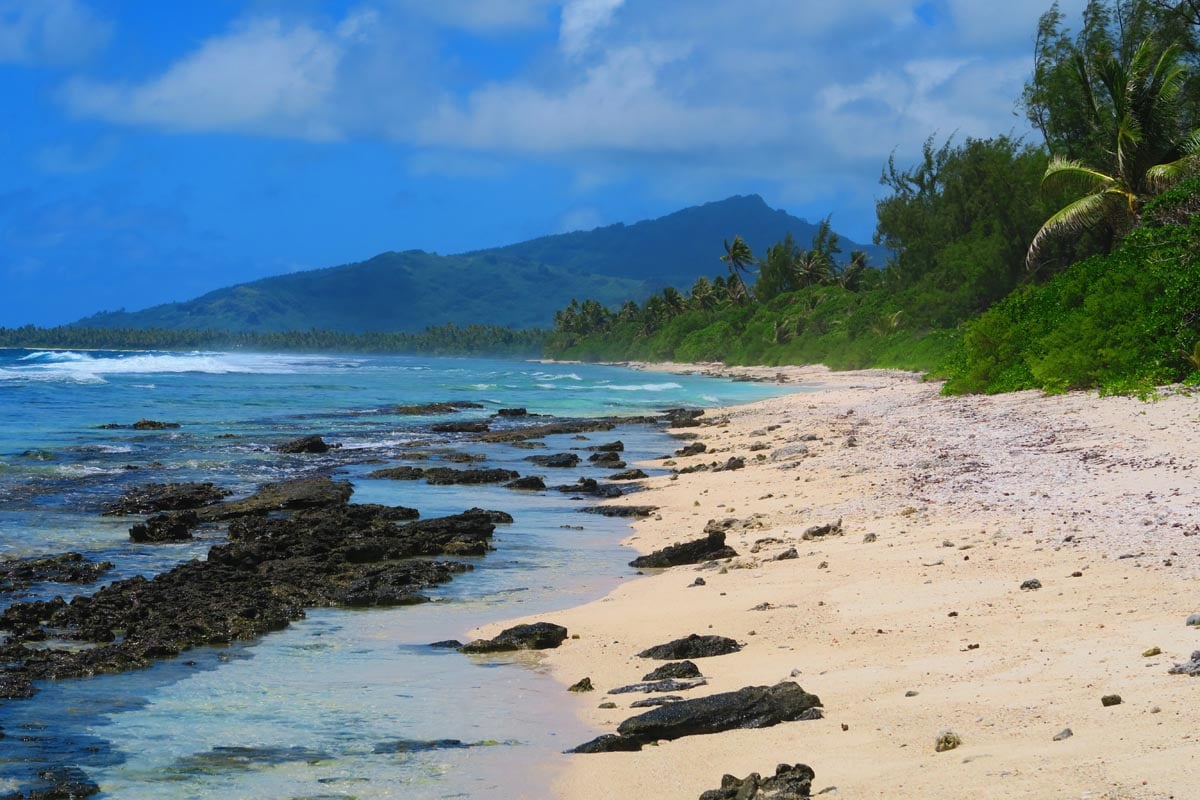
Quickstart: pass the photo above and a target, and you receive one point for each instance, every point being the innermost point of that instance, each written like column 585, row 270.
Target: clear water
column 316, row 710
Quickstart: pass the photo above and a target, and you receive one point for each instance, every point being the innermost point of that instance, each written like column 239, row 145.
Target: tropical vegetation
column 1060, row 264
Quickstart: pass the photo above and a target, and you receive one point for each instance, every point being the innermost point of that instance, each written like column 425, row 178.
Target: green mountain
column 520, row 285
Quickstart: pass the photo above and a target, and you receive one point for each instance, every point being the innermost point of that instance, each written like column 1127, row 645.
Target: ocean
column 344, row 703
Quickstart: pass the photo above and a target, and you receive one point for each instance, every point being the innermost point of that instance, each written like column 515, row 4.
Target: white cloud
column 481, row 16
column 263, row 77
column 581, row 19
column 50, row 32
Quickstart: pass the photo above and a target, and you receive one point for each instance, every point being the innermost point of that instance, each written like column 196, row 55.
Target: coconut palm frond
column 1066, row 170
column 1082, row 213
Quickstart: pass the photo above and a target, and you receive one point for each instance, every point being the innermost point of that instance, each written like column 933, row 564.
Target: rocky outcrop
column 293, row 495
column 790, row 782
column 535, row 636
column 175, row 526
column 620, row 511
column 590, row 486
column 306, row 444
column 398, row 473
column 683, row 417
column 460, row 427
column 430, row 409
column 529, row 483
column 750, row 707
column 693, row 449
column 336, row 554
column 710, row 548
column 557, row 460
column 667, row 685
column 18, row 574
column 445, row 476
column 155, row 497
column 676, row 669
column 628, row 475
column 608, row 447
column 694, row 646
column 142, row 425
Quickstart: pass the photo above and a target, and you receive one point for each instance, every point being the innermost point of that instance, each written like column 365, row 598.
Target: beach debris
column 527, row 483
column 697, row 582
column 818, row 531
column 735, row 462
column 1153, row 651
column 870, row 538
column 749, row 707
column 693, row 646
column 628, row 475
column 1190, row 667
column 710, row 548
column 154, row 497
column 557, row 460
column 620, row 511
column 306, row 444
column 947, row 740
column 582, row 685
column 478, row 426
column 533, row 636
column 693, row 449
column 1110, row 700
column 677, row 670
column 1193, row 621
column 668, row 685
column 911, row 693
column 1065, row 733
column 788, row 783
column 1033, row 584
column 1076, row 574
column 786, row 555
column 607, row 704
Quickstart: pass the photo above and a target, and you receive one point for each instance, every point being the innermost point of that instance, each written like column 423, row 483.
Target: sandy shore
column 925, row 628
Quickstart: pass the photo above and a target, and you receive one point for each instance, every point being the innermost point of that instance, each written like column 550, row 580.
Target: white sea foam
column 643, row 387
column 549, row 376
column 91, row 367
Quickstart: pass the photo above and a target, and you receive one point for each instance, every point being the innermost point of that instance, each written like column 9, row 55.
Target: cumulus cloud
column 581, row 19
column 264, row 76
column 50, row 32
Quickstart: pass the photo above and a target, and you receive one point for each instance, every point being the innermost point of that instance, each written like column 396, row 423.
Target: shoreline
column 925, row 628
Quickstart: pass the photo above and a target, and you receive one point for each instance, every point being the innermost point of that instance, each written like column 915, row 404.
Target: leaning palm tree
column 739, row 258
column 1136, row 107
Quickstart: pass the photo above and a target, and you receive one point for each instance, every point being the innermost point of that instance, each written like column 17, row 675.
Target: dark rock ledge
column 331, row 554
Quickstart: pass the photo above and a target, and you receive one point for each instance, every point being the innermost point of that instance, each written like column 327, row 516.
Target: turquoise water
column 317, row 710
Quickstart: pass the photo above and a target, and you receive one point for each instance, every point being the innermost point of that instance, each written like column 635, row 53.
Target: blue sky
column 157, row 150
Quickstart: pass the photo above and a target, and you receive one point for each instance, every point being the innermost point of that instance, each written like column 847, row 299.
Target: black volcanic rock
column 460, row 427
column 628, row 475
column 750, row 707
column 20, row 573
column 155, row 497
column 620, row 511
column 683, row 417
column 676, row 669
column 693, row 646
column 710, row 548
column 398, row 473
column 557, row 460
column 175, row 526
column 306, row 444
column 535, row 636
column 293, row 495
column 430, row 409
column 444, row 476
column 790, row 782
column 529, row 482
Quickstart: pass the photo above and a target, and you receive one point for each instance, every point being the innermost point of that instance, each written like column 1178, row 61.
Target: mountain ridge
column 517, row 285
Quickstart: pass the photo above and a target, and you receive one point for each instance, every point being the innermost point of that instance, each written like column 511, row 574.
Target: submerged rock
column 477, row 426
column 628, row 475
column 430, row 409
column 20, row 573
column 790, row 782
column 175, row 526
column 620, row 511
column 445, row 476
column 557, row 460
column 528, row 483
column 398, row 473
column 694, row 646
column 710, row 548
column 535, row 636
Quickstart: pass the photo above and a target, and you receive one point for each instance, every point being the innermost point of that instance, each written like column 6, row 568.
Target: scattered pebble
column 911, row 693
column 1065, row 733
column 1110, row 700
column 1194, row 621
column 1153, row 651
column 608, row 704
column 698, row 582
column 583, row 685
column 868, row 538
column 1031, row 585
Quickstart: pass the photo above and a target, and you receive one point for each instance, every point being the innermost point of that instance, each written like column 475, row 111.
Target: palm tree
column 1136, row 108
column 702, row 297
column 852, row 274
column 739, row 258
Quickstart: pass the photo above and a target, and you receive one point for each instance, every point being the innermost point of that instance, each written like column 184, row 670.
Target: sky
column 153, row 151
